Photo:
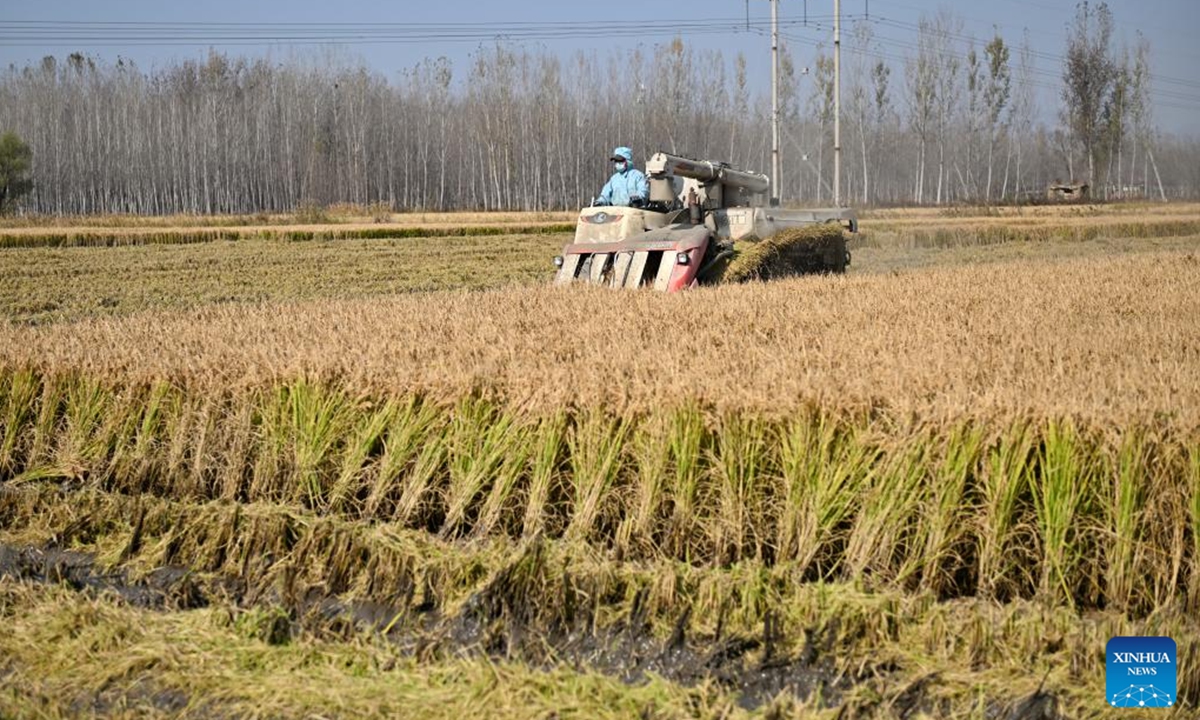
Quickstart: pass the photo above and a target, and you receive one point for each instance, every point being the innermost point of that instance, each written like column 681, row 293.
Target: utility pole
column 776, row 179
column 837, row 103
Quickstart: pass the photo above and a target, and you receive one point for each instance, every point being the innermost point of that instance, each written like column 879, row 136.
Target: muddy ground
column 492, row 624
column 489, row 623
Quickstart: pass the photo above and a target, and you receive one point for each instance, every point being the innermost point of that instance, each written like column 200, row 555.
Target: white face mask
column 620, row 166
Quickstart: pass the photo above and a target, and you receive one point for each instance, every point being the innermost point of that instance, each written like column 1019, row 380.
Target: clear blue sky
column 1171, row 26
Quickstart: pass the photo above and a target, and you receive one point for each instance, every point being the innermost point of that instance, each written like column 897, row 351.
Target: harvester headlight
column 558, row 261
column 682, row 258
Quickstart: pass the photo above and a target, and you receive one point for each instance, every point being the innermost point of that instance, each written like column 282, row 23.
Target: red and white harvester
column 696, row 211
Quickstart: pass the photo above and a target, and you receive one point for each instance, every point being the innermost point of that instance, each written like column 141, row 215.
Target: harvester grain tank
column 697, row 211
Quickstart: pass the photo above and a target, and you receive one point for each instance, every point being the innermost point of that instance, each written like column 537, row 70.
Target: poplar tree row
column 954, row 121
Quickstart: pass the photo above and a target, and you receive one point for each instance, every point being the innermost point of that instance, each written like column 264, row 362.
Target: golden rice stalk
column 814, row 248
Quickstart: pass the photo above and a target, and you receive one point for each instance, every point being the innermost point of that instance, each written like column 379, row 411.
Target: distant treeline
column 524, row 130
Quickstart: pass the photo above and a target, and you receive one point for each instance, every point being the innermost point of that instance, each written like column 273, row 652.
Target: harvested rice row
column 67, row 654
column 422, row 591
column 974, row 234
column 28, row 239
column 1073, row 513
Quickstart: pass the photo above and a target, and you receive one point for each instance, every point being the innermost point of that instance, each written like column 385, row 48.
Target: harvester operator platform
column 627, row 186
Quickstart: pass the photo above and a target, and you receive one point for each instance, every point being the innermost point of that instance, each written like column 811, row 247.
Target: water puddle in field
column 170, row 588
column 750, row 666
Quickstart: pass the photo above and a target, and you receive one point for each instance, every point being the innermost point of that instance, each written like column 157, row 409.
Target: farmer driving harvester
column 627, row 186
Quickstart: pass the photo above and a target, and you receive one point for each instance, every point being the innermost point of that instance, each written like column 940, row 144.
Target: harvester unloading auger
column 704, row 223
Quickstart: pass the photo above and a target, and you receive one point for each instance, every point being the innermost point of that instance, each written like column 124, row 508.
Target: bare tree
column 741, row 104
column 1020, row 117
column 946, row 26
column 820, row 104
column 1114, row 118
column 1141, row 115
column 883, row 114
column 789, row 118
column 995, row 98
column 921, row 78
column 1087, row 78
column 974, row 121
column 861, row 102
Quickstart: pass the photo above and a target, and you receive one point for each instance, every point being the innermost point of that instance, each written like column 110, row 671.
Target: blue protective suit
column 626, row 184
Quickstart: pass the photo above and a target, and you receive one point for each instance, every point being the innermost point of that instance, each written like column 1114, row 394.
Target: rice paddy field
column 270, row 467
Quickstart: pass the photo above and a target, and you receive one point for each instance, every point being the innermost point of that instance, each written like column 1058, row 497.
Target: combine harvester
column 685, row 235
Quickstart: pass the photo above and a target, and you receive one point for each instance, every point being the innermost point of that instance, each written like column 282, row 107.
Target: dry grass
column 1050, row 210
column 47, row 285
column 889, row 258
column 126, row 237
column 916, row 228
column 339, row 215
column 972, row 233
column 1104, row 340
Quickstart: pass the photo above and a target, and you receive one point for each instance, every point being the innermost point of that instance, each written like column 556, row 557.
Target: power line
column 39, row 33
column 93, row 33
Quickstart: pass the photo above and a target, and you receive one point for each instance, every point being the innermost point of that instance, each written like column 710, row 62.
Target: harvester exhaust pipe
column 693, row 204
